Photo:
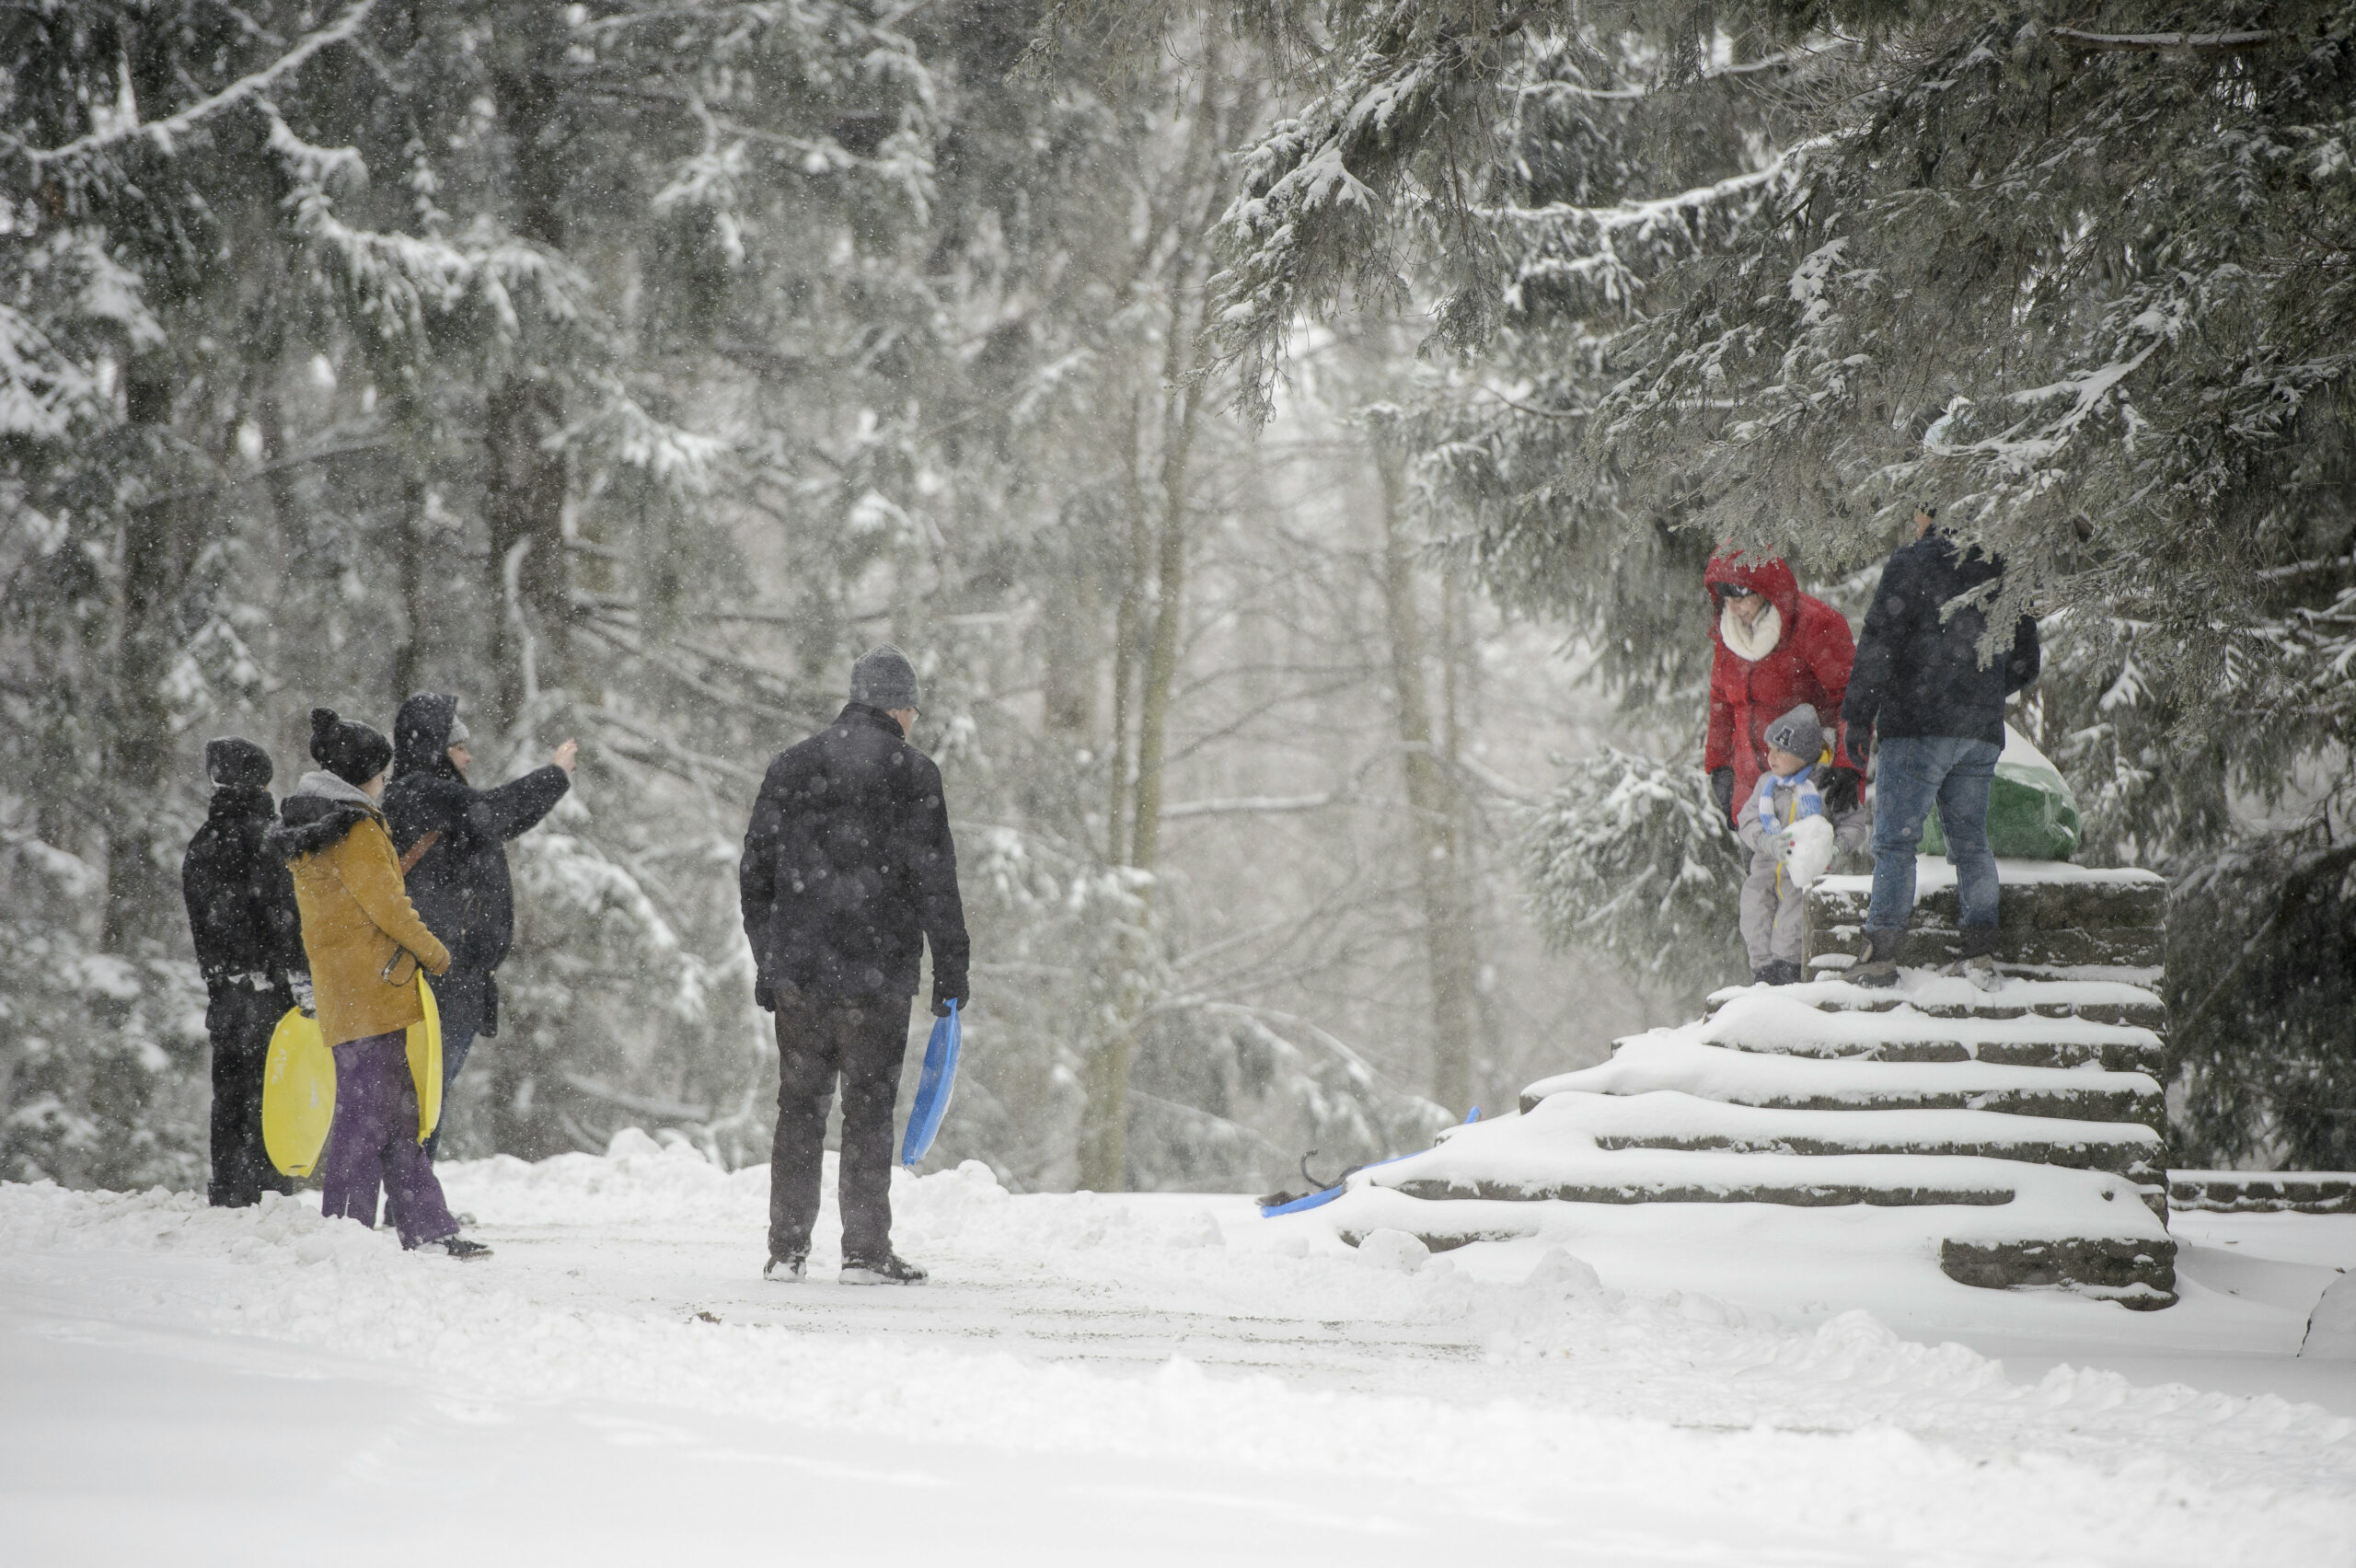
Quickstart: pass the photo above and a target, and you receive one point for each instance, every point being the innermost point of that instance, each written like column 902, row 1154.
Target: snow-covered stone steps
column 1565, row 1149
column 1564, row 1126
column 1778, row 1022
column 2050, row 914
column 1943, row 996
column 1676, row 1060
column 2020, row 1130
column 2059, row 1228
column 2263, row 1191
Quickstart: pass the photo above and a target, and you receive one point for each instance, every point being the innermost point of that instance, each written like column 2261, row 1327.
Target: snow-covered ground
column 1135, row 1379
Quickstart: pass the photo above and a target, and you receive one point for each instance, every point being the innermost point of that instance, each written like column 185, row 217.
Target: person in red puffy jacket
column 1774, row 649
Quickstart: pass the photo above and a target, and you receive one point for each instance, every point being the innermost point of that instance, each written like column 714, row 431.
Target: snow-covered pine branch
column 164, row 132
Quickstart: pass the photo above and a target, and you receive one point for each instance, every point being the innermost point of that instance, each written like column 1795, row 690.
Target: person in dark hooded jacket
column 249, row 941
column 1936, row 711
column 453, row 842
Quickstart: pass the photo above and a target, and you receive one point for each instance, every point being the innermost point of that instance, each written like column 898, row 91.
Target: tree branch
column 161, row 132
column 2297, row 888
column 2159, row 44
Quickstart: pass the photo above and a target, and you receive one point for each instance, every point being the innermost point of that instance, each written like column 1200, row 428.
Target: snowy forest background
column 1288, row 435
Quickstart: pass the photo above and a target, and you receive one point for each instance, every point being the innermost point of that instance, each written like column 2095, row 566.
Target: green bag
column 2032, row 815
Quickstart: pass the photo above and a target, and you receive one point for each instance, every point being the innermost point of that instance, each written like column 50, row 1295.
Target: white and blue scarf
column 1808, row 802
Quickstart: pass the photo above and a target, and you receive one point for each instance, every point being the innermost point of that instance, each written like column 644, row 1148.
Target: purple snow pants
column 372, row 1143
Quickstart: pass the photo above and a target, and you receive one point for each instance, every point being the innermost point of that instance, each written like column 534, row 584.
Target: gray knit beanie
column 1798, row 733
column 883, row 678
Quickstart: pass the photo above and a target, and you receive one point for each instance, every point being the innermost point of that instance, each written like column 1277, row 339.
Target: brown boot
column 1880, row 970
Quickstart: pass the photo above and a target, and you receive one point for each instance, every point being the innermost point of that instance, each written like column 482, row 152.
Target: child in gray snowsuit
column 1791, row 834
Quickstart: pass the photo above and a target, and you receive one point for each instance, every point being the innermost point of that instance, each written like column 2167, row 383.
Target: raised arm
column 517, row 807
column 2026, row 658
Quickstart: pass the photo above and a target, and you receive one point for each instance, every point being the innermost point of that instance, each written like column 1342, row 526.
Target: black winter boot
column 1879, row 971
column 456, row 1245
column 1784, row 971
column 890, row 1269
column 792, row 1269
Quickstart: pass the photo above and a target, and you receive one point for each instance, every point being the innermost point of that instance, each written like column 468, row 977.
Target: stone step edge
column 2134, row 1110
column 2138, row 1015
column 2115, row 1056
column 2262, row 1192
column 2133, row 1158
column 1785, row 1194
column 2138, row 1274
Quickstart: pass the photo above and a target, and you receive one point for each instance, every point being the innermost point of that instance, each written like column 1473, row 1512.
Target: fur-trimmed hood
column 317, row 816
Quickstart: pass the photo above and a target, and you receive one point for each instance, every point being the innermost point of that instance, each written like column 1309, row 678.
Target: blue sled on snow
column 1319, row 1199
column 934, row 1087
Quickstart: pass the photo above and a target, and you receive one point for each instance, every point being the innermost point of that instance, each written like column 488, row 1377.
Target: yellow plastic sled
column 298, row 1085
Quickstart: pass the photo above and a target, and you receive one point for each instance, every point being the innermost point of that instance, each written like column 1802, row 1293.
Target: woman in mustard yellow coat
column 365, row 944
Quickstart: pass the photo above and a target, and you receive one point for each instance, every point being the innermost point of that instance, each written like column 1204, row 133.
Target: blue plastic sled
column 933, row 1090
column 1318, row 1200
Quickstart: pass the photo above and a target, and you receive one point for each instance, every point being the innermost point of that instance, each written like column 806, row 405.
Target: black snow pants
column 862, row 1042
column 240, row 1018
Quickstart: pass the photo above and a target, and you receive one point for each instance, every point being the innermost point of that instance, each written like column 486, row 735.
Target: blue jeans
column 1909, row 773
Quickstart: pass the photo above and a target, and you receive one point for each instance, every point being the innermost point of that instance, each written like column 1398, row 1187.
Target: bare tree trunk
column 140, row 894
column 1435, row 808
column 526, row 506
column 1169, row 624
column 1126, row 617
column 528, row 477
column 408, row 656
column 526, row 490
column 1105, row 1112
column 1462, row 693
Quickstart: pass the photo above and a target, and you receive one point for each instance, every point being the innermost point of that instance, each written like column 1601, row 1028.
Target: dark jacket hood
column 317, row 816
column 422, row 735
column 233, row 802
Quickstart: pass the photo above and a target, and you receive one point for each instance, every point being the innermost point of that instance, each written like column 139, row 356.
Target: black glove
column 940, row 1005
column 763, row 996
column 1842, row 789
column 1722, row 790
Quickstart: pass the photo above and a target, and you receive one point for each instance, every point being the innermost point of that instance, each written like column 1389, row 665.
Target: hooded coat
column 461, row 885
column 850, row 869
column 1808, row 662
column 357, row 922
column 240, row 899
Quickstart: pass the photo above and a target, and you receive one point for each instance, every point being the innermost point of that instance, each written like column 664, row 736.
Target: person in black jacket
column 453, row 842
column 849, row 870
column 249, row 950
column 1937, row 709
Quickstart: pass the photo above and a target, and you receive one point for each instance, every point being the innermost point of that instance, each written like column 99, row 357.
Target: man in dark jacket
column 453, row 842
column 249, row 950
column 849, row 870
column 1938, row 711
